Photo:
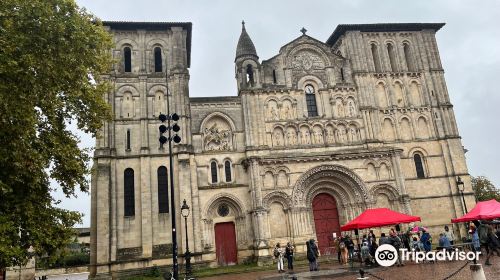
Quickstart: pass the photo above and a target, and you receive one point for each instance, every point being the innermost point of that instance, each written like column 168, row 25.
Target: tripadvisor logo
column 387, row 255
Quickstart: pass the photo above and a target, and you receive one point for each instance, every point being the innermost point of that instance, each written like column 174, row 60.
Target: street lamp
column 187, row 255
column 461, row 187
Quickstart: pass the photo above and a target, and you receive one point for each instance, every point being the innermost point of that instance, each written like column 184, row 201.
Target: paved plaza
column 410, row 271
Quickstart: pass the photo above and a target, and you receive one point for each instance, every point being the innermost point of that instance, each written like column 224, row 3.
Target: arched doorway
column 326, row 220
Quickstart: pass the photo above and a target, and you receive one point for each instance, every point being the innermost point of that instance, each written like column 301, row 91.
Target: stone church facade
column 316, row 134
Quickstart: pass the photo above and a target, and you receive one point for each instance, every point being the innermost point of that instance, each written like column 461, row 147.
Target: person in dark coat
column 426, row 241
column 289, row 255
column 312, row 255
column 396, row 242
column 493, row 244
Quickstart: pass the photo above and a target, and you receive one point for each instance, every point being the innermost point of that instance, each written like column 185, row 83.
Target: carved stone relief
column 307, row 61
column 217, row 135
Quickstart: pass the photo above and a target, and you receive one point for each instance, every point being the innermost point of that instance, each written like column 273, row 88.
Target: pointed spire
column 245, row 45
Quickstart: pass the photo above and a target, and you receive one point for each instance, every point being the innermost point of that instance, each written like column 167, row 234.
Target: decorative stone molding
column 301, row 188
column 277, row 196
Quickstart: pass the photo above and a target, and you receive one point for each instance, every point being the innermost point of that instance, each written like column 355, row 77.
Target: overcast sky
column 469, row 45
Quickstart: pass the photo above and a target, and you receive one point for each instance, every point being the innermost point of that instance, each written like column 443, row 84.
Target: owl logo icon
column 386, row 255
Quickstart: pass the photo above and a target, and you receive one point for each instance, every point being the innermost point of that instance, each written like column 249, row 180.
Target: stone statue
column 351, row 108
column 341, row 134
column 274, row 114
column 307, row 137
column 340, row 109
column 285, row 113
column 330, row 137
column 318, row 137
column 278, row 138
column 354, row 134
column 292, row 137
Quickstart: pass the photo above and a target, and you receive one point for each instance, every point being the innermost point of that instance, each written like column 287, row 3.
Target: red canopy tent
column 378, row 217
column 484, row 210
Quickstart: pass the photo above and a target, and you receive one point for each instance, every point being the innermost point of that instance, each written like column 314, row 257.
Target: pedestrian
column 312, row 255
column 493, row 244
column 336, row 246
column 444, row 242
column 371, row 238
column 350, row 248
column 476, row 244
column 449, row 234
column 383, row 239
column 416, row 244
column 405, row 237
column 343, row 249
column 289, row 255
column 396, row 242
column 482, row 231
column 426, row 240
column 278, row 254
column 365, row 252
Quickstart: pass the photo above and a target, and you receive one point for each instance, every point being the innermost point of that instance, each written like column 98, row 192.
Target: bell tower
column 247, row 66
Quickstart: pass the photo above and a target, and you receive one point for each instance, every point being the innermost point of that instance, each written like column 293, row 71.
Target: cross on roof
column 303, row 30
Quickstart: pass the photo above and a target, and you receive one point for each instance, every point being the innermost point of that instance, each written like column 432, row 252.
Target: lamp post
column 461, row 187
column 163, row 139
column 187, row 255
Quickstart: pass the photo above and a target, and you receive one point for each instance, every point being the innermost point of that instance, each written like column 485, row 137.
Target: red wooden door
column 225, row 244
column 326, row 220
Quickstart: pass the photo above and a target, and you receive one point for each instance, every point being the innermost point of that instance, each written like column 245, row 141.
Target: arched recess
column 134, row 55
column 214, row 213
column 415, row 95
column 272, row 109
column 381, row 95
column 269, row 179
column 405, row 129
column 345, row 185
column 157, row 100
column 278, row 137
column 278, row 204
column 386, row 196
column 217, row 131
column 288, row 108
column 423, row 131
column 399, row 98
column 388, row 133
column 384, row 171
column 125, row 102
column 371, row 172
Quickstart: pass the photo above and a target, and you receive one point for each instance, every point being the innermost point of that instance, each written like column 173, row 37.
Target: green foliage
column 51, row 56
column 69, row 260
column 154, row 272
column 484, row 189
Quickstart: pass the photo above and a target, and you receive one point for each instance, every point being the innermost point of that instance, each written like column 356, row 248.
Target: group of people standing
column 280, row 253
column 487, row 237
column 288, row 252
column 483, row 236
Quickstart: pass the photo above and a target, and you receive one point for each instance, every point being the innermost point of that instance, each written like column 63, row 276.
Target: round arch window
column 223, row 210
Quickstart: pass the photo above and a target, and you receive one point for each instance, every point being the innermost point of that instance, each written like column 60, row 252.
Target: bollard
column 477, row 272
column 362, row 275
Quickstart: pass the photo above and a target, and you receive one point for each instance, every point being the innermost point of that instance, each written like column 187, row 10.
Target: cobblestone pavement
column 411, row 271
column 439, row 270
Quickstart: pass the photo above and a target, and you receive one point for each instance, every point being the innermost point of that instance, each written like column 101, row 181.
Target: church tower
column 247, row 66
